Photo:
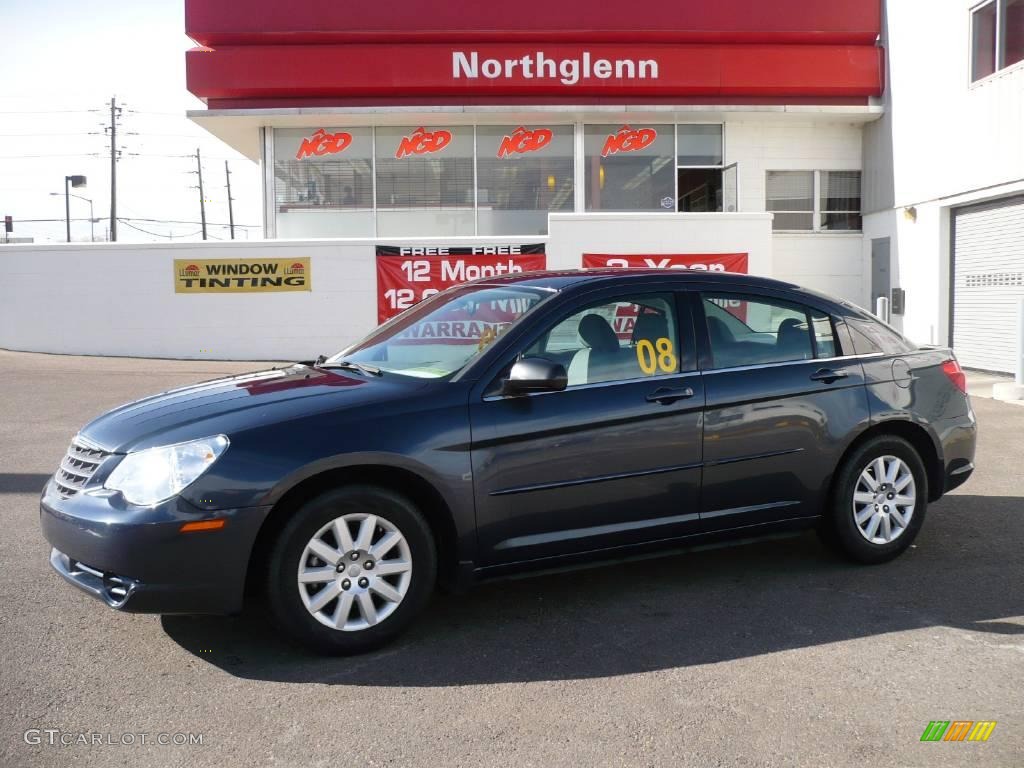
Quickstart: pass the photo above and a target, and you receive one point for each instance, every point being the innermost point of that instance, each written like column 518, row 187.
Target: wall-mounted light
column 910, row 213
column 551, row 181
column 601, row 177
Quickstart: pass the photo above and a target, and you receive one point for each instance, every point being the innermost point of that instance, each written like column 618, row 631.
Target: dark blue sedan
column 515, row 423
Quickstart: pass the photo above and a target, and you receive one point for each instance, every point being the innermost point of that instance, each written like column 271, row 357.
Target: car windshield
column 441, row 334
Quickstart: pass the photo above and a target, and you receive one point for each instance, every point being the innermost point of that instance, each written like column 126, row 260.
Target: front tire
column 351, row 570
column 879, row 501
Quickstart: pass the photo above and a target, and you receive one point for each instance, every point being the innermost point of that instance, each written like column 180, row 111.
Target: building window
column 425, row 181
column 997, row 36
column 839, row 200
column 523, row 172
column 629, row 167
column 700, row 177
column 699, row 145
column 791, row 196
column 323, row 182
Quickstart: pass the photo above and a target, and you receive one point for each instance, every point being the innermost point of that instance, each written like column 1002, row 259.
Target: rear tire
column 879, row 501
column 351, row 569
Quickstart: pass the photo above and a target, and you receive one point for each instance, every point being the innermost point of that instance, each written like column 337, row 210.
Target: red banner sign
column 407, row 275
column 709, row 262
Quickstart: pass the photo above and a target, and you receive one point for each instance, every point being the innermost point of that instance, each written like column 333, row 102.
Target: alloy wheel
column 884, row 499
column 354, row 572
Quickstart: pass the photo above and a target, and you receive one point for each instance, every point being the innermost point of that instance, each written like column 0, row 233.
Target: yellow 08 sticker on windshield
column 657, row 356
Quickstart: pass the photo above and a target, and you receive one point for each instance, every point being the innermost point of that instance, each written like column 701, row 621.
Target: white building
column 944, row 176
column 847, row 146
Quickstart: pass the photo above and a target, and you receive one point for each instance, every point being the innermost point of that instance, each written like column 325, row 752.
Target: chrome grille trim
column 78, row 466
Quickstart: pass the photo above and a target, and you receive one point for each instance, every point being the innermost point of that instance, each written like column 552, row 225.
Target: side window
column 870, row 336
column 749, row 330
column 628, row 338
column 824, row 335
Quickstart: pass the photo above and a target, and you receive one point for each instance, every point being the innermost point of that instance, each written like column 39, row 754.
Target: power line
column 126, row 219
column 180, row 221
column 49, row 112
column 28, row 157
column 169, row 236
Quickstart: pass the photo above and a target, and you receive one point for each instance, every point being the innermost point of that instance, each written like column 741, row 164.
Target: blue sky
column 60, row 63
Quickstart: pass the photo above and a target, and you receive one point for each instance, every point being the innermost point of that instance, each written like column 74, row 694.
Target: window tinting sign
column 242, row 275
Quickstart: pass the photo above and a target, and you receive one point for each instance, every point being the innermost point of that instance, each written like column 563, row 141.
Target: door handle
column 828, row 375
column 665, row 395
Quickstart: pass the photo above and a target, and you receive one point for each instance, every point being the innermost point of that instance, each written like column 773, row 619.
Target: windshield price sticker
column 408, row 275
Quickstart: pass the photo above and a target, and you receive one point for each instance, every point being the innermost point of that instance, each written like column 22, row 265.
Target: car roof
column 576, row 279
column 562, row 279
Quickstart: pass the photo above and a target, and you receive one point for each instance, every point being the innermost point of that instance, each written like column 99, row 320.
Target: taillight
column 955, row 373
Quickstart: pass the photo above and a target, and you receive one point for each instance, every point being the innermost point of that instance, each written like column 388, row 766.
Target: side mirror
column 535, row 374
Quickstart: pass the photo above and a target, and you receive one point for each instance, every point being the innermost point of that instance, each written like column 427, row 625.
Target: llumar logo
column 958, row 730
column 423, row 142
column 524, row 140
column 323, row 143
column 628, row 139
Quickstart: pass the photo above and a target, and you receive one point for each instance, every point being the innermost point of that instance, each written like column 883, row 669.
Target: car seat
column 792, row 341
column 593, row 362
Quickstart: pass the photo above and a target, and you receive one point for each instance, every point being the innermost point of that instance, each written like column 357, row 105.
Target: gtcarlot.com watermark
column 54, row 737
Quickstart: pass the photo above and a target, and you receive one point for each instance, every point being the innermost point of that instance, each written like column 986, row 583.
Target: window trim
column 816, row 211
column 971, row 20
column 689, row 355
column 706, row 353
column 1001, row 67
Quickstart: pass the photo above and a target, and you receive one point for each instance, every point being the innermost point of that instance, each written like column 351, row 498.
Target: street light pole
column 76, row 182
column 92, row 214
column 67, row 208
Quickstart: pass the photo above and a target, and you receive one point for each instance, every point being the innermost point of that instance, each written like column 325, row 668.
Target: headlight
column 156, row 474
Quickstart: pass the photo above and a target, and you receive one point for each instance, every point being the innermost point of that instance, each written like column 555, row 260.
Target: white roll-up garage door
column 988, row 279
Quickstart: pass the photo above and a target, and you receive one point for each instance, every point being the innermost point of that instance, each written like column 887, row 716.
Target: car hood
column 237, row 402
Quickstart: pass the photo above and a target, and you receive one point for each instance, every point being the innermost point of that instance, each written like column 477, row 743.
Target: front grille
column 78, row 466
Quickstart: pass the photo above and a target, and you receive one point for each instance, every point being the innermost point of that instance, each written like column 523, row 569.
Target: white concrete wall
column 831, row 262
column 953, row 143
column 112, row 299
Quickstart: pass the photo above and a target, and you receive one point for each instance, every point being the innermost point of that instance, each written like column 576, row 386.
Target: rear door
column 613, row 459
column 782, row 401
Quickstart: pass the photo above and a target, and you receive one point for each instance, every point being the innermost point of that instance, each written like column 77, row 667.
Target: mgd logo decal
column 324, row 143
column 524, row 140
column 628, row 140
column 423, row 142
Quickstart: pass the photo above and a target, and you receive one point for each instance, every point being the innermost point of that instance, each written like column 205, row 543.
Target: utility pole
column 115, row 112
column 202, row 199
column 231, row 210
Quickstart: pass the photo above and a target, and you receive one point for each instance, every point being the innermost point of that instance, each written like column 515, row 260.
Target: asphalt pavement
column 770, row 653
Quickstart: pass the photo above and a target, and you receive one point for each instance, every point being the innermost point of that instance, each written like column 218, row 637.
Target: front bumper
column 136, row 558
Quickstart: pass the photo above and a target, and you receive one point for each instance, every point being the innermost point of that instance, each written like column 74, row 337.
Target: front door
column 781, row 400
column 614, row 458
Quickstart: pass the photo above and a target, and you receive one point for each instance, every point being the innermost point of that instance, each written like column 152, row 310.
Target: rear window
column 872, row 337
